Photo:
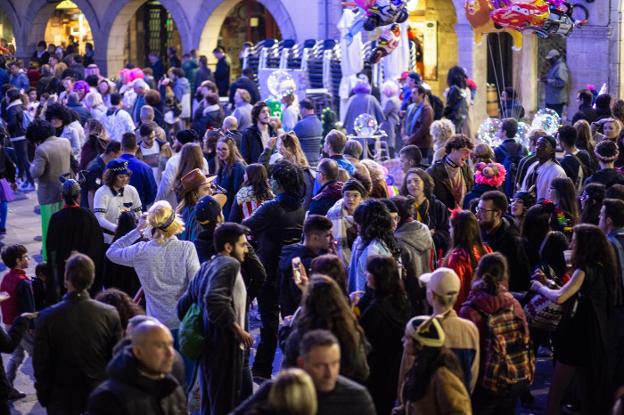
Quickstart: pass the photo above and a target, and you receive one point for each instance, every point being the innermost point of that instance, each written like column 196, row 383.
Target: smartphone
column 296, row 269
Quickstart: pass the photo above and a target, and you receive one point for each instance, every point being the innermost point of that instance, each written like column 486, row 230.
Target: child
column 21, row 300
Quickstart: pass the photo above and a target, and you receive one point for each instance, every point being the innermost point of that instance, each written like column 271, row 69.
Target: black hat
column 527, row 198
column 187, row 136
column 207, row 210
column 355, row 184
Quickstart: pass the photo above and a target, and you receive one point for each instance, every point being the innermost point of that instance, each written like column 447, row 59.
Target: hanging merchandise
column 488, row 132
column 388, row 41
column 546, row 119
column 371, row 14
column 478, row 14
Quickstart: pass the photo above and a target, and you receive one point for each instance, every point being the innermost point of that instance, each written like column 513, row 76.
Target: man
column 417, row 122
column 502, row 236
column 73, row 104
column 335, row 142
column 412, row 81
column 142, row 177
column 13, row 115
column 309, row 130
column 158, row 69
column 230, row 128
column 410, row 157
column 256, row 138
column 574, row 162
column 147, row 116
column 222, row 71
column 317, row 240
column 544, row 170
column 73, row 229
column 139, row 377
column 556, row 82
column 452, row 175
column 51, row 161
column 220, row 291
column 242, row 109
column 140, row 88
column 41, row 55
column 341, row 215
column 190, row 67
column 509, row 153
column 319, row 357
column 462, row 336
column 74, row 341
column 606, row 153
column 151, row 149
column 246, row 82
column 276, row 223
column 95, row 170
column 585, row 110
column 203, row 72
column 330, row 190
column 18, row 78
column 117, row 120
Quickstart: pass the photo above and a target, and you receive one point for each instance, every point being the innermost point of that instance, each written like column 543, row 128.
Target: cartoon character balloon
column 371, row 14
column 478, row 14
column 388, row 41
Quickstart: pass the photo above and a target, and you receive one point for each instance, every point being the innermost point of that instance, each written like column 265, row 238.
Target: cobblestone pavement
column 23, row 226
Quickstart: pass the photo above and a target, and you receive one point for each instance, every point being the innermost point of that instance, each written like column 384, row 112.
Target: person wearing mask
column 320, row 357
column 331, row 189
column 73, row 229
column 255, row 138
column 585, row 110
column 141, row 174
column 317, row 240
column 556, row 82
column 51, row 161
column 607, row 153
column 544, row 170
column 273, row 225
column 222, row 72
column 246, row 82
column 418, row 122
column 68, row 363
column 242, row 109
column 220, row 291
column 309, row 130
column 452, row 175
column 502, row 236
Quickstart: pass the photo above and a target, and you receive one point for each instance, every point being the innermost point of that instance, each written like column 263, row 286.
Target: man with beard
column 498, row 232
column 256, row 137
column 544, row 170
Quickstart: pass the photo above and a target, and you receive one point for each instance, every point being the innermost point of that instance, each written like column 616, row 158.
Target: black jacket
column 435, row 215
column 222, row 76
column 74, row 341
column 127, row 392
column 442, row 188
column 251, row 144
column 506, row 240
column 585, row 112
column 278, row 222
column 14, row 117
column 608, row 177
column 476, row 193
column 247, row 84
column 326, row 197
column 290, row 294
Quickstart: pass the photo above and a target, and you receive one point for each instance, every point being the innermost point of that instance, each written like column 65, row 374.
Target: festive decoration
column 280, row 83
column 365, row 125
column 371, row 14
column 478, row 14
column 546, row 119
column 274, row 106
column 388, row 41
column 522, row 15
column 491, row 174
column 488, row 130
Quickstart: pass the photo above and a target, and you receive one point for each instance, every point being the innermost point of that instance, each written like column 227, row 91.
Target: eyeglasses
column 479, row 210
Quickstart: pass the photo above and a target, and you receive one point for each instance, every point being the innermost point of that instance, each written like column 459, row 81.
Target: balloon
column 280, row 83
column 388, row 41
column 488, row 132
column 522, row 15
column 380, row 13
column 365, row 125
column 521, row 135
column 274, row 106
column 546, row 119
column 478, row 14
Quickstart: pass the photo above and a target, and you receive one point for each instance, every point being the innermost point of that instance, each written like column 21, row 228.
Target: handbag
column 541, row 313
column 191, row 333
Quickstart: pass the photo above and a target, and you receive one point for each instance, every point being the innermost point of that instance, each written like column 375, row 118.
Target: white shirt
column 151, row 156
column 546, row 173
column 108, row 207
column 118, row 123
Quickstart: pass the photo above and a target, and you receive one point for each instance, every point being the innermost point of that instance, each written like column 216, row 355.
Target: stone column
column 525, row 73
column 473, row 57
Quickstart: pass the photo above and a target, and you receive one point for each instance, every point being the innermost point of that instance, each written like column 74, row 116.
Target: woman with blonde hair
column 230, row 170
column 585, row 141
column 94, row 103
column 441, row 131
column 292, row 393
column 164, row 264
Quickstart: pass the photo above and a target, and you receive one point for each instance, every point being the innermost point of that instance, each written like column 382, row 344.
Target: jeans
column 4, row 211
column 18, row 355
column 23, row 165
column 269, row 316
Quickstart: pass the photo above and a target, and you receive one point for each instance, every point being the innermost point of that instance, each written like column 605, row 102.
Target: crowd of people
column 166, row 225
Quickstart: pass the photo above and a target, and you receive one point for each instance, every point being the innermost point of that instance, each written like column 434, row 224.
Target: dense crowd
column 429, row 294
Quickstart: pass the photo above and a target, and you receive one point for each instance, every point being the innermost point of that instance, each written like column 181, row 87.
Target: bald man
column 230, row 128
column 140, row 380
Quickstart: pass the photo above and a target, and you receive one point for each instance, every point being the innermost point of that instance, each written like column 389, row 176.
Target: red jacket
column 17, row 284
column 459, row 261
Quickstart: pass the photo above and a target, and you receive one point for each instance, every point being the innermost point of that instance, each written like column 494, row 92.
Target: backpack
column 191, row 333
column 511, row 161
column 507, row 356
column 437, row 106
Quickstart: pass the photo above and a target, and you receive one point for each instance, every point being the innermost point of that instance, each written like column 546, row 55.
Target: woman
column 591, row 202
column 434, row 385
column 456, row 108
column 122, row 303
column 520, row 204
column 534, row 230
column 609, row 129
column 325, row 307
column 377, row 174
column 64, row 121
column 489, row 298
column 252, row 194
column 482, row 153
column 290, row 112
column 467, row 250
column 114, row 197
column 383, row 321
column 582, row 337
column 441, row 131
column 230, row 170
column 361, row 102
column 566, row 214
column 191, row 158
column 97, row 140
column 375, row 238
column 195, row 186
column 429, row 210
column 119, row 276
column 585, row 141
column 164, row 264
column 94, row 103
column 291, row 393
column 105, row 88
column 209, row 147
column 331, row 265
column 391, row 108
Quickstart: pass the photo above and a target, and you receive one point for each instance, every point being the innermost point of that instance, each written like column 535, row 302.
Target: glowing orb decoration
column 281, row 83
column 521, row 136
column 365, row 125
column 546, row 119
column 488, row 130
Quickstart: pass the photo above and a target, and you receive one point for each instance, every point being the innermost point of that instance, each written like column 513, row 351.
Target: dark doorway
column 500, row 60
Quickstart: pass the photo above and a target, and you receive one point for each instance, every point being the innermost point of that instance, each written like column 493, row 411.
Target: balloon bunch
column 388, row 41
column 371, row 14
column 488, row 132
column 546, row 119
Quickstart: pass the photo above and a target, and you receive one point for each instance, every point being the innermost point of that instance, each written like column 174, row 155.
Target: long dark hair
column 592, row 249
column 332, row 266
column 467, row 235
column 595, row 195
column 428, row 360
column 375, row 222
column 122, row 302
column 492, row 271
column 388, row 282
column 126, row 222
column 258, row 179
column 457, row 77
column 537, row 223
column 567, row 197
column 551, row 252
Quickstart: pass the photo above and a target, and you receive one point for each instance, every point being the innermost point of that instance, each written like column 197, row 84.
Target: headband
column 169, row 221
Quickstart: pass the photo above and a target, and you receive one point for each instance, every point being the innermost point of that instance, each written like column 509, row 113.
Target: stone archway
column 8, row 10
column 116, row 20
column 213, row 13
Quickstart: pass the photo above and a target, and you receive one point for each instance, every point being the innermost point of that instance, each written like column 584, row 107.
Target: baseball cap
column 208, row 208
column 553, row 53
column 426, row 330
column 442, row 281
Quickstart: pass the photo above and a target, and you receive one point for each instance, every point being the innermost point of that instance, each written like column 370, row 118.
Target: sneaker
column 14, row 394
column 29, row 187
column 2, row 231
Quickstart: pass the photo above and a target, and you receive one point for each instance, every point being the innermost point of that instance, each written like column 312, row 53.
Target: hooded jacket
column 326, row 198
column 127, row 392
